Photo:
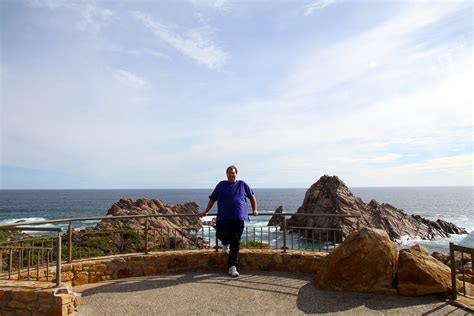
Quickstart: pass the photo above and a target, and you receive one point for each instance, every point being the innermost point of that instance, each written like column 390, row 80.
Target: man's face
column 231, row 175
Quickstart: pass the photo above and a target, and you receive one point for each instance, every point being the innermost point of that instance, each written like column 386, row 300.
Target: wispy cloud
column 93, row 18
column 317, row 5
column 217, row 4
column 195, row 43
column 130, row 79
column 139, row 52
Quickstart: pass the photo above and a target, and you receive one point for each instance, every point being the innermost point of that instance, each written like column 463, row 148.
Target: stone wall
column 92, row 271
column 36, row 298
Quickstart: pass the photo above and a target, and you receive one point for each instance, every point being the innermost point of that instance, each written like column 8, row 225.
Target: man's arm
column 210, row 204
column 253, row 202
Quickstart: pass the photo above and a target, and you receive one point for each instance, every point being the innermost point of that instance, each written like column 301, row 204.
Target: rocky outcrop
column 167, row 231
column 329, row 195
column 421, row 274
column 365, row 262
column 276, row 219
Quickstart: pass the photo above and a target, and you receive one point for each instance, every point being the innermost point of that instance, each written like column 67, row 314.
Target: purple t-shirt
column 231, row 202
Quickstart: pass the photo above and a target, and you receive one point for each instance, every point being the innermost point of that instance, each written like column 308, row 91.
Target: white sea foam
column 468, row 241
column 441, row 244
column 24, row 219
column 207, row 218
column 260, row 224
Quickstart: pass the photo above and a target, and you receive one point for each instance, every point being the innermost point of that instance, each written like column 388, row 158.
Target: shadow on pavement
column 312, row 300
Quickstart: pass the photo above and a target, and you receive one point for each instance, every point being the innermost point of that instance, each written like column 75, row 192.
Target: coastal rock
column 276, row 219
column 329, row 195
column 366, row 262
column 421, row 274
column 175, row 231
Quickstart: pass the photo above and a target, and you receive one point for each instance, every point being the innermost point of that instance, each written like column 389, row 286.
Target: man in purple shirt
column 231, row 213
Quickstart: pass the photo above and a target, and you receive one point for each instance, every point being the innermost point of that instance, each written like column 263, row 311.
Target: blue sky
column 167, row 94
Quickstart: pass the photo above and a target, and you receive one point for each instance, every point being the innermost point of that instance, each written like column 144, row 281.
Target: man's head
column 231, row 172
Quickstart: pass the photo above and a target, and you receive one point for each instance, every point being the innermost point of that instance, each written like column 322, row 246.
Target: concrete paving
column 253, row 293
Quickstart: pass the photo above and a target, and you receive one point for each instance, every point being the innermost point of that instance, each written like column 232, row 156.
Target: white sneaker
column 225, row 248
column 233, row 271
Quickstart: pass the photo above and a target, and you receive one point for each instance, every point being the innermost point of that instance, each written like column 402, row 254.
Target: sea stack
column 329, row 195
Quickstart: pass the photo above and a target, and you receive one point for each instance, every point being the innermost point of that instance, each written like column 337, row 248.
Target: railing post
column 69, row 242
column 453, row 272
column 146, row 235
column 284, row 234
column 58, row 261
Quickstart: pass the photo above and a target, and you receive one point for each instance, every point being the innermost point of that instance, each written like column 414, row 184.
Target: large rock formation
column 329, row 195
column 421, row 274
column 365, row 262
column 166, row 231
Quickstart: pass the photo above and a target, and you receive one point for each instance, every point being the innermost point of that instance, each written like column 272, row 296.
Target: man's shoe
column 233, row 271
column 225, row 248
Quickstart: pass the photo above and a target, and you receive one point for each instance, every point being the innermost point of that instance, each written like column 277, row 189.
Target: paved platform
column 253, row 293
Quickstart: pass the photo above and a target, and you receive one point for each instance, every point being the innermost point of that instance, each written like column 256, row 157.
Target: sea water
column 452, row 204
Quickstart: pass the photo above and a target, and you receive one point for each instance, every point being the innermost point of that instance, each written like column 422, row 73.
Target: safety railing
column 26, row 256
column 25, row 251
column 461, row 271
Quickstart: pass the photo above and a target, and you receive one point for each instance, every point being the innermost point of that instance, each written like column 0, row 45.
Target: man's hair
column 231, row 167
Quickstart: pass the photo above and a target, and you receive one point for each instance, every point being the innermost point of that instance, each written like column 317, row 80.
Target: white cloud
column 443, row 164
column 93, row 18
column 216, row 4
column 52, row 4
column 195, row 43
column 139, row 52
column 317, row 5
column 385, row 158
column 130, row 79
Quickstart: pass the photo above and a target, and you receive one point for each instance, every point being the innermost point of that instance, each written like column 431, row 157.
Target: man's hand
column 255, row 212
column 203, row 213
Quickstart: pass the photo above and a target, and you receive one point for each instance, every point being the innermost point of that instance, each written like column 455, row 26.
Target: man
column 231, row 213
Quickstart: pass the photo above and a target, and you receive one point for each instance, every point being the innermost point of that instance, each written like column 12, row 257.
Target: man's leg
column 236, row 228
column 222, row 231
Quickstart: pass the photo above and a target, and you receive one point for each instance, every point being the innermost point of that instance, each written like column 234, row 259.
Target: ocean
column 453, row 204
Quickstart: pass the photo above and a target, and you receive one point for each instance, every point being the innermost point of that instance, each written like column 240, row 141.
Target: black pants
column 229, row 232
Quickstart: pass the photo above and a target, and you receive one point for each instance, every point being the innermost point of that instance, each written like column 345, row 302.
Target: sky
column 167, row 94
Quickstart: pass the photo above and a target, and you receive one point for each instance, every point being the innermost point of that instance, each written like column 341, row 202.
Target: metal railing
column 97, row 243
column 25, row 250
column 453, row 248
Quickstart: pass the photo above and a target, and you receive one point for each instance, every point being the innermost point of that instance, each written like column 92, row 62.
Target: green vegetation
column 254, row 244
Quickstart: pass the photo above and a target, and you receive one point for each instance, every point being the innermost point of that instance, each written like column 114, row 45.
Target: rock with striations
column 170, row 232
column 421, row 274
column 366, row 261
column 329, row 195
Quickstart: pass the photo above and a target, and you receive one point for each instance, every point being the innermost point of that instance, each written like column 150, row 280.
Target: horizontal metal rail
column 82, row 219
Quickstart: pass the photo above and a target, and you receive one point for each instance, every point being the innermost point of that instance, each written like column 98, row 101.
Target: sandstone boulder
column 421, row 274
column 365, row 262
